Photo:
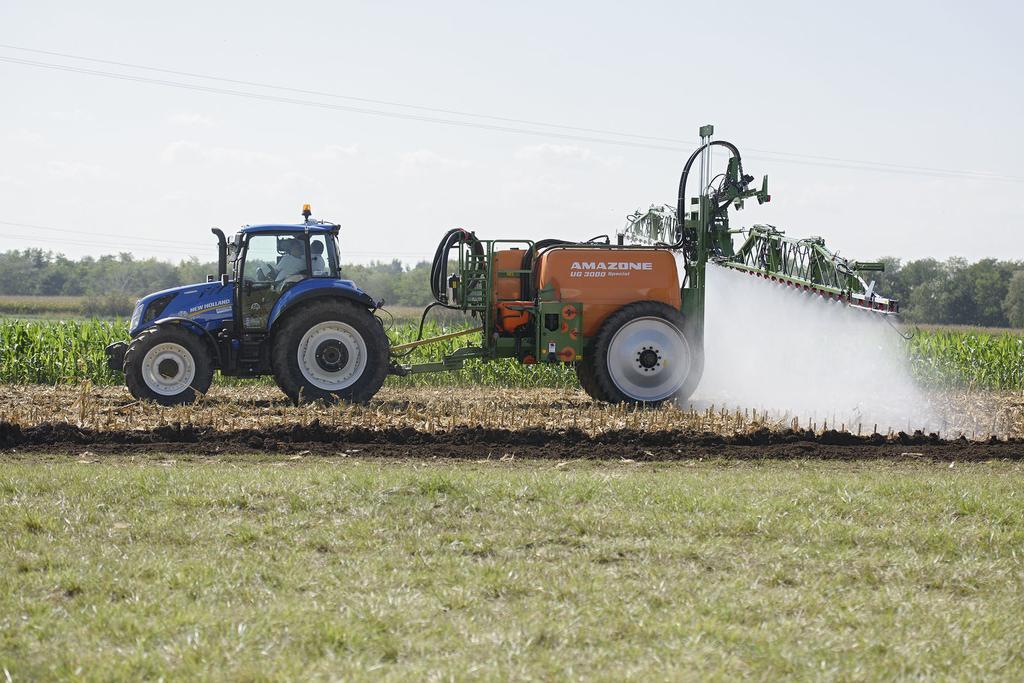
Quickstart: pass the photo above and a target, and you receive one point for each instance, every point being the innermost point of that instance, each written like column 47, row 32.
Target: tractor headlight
column 136, row 316
column 144, row 313
column 156, row 307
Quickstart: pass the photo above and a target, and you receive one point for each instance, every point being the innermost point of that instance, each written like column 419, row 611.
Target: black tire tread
column 285, row 346
column 144, row 341
column 588, row 380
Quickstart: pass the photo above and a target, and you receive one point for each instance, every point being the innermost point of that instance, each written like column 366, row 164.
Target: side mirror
column 211, row 278
column 224, row 280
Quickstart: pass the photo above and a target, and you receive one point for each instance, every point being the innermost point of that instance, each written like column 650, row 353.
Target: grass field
column 338, row 568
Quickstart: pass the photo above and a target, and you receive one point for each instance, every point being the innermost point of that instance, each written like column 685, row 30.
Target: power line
column 803, row 159
column 127, row 238
column 490, row 117
column 353, row 98
column 324, row 105
column 92, row 243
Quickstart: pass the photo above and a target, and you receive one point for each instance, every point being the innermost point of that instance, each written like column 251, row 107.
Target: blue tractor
column 278, row 306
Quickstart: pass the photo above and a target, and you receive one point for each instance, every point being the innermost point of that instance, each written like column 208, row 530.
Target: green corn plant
column 69, row 352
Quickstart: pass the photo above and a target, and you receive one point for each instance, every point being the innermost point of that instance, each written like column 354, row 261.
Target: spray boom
column 699, row 228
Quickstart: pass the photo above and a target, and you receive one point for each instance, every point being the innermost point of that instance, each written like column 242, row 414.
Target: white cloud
column 412, row 163
column 25, row 136
column 6, row 179
column 70, row 116
column 294, row 187
column 185, row 151
column 335, row 152
column 191, row 119
column 550, row 154
column 75, row 170
column 548, row 151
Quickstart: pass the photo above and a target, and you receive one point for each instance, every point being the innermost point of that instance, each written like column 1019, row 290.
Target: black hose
column 681, row 206
column 439, row 274
column 419, row 335
column 526, row 279
column 439, row 267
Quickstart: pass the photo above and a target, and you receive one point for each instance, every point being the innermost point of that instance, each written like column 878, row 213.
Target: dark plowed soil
column 473, row 443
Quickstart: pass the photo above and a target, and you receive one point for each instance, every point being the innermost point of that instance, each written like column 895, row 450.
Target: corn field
column 975, row 360
column 68, row 352
column 57, row 352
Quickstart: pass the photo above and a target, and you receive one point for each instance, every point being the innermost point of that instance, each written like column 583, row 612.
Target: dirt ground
column 462, row 424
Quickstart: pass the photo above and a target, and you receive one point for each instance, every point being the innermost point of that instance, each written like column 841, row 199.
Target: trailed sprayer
column 627, row 313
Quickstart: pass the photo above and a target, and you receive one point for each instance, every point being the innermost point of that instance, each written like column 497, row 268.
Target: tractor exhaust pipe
column 222, row 253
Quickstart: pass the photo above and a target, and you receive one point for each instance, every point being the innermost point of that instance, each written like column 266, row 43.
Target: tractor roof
column 313, row 227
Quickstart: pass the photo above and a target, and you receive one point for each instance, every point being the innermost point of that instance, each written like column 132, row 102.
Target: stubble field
column 468, row 422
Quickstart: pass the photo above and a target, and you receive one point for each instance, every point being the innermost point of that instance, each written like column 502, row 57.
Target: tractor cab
column 271, row 260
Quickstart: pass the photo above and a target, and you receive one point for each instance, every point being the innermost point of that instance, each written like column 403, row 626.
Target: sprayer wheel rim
column 648, row 359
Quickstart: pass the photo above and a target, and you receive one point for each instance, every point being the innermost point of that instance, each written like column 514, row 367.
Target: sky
column 889, row 129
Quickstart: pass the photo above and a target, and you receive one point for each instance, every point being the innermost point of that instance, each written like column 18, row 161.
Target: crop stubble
column 481, row 423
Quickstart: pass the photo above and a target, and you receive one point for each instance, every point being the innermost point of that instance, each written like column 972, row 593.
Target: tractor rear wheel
column 643, row 353
column 328, row 351
column 169, row 365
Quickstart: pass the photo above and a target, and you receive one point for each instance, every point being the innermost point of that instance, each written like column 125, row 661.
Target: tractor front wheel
column 169, row 365
column 644, row 354
column 329, row 351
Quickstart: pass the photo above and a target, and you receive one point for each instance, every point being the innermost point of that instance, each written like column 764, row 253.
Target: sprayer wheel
column 647, row 353
column 588, row 380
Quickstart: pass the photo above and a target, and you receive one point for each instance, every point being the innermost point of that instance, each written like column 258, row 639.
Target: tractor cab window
column 323, row 256
column 275, row 259
column 273, row 263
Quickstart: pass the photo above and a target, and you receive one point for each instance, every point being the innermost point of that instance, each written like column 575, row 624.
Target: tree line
column 987, row 293
column 110, row 284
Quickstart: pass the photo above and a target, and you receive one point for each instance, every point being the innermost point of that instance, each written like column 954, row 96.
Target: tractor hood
column 207, row 303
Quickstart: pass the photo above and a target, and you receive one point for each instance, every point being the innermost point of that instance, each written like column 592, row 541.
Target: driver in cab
column 292, row 263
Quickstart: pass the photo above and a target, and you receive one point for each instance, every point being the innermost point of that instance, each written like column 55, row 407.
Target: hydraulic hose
column 526, row 279
column 419, row 335
column 439, row 273
column 439, row 268
column 681, row 206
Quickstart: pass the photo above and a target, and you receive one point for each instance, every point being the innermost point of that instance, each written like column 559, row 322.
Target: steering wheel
column 290, row 280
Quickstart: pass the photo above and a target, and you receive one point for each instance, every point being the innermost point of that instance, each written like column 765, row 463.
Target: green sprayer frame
column 697, row 228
